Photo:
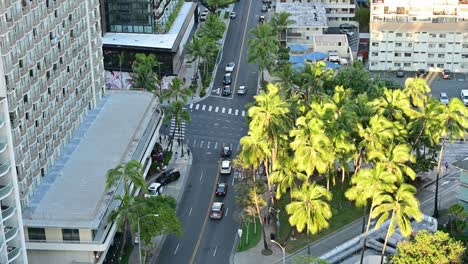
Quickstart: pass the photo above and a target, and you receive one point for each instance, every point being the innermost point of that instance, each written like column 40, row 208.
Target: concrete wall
column 60, row 257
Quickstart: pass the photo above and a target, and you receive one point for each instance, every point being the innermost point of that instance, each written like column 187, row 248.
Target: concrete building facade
column 419, row 34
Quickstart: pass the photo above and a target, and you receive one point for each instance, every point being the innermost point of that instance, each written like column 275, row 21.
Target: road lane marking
column 236, row 112
column 200, row 236
column 242, row 46
column 243, row 113
column 177, row 248
column 216, row 145
column 203, row 108
column 230, row 145
column 201, row 177
column 197, row 106
column 227, row 210
column 209, row 108
column 223, row 110
column 201, row 144
column 216, row 109
column 208, row 146
column 238, row 147
column 190, row 212
column 194, row 143
column 214, row 253
column 232, row 181
column 191, row 105
column 230, row 111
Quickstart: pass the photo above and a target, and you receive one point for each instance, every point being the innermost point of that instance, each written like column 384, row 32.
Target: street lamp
column 282, row 249
column 139, row 234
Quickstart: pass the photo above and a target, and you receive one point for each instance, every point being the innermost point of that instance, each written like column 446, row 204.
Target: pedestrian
column 178, row 141
column 160, row 138
column 264, row 219
column 268, row 219
column 446, row 167
column 167, row 137
column 184, row 79
column 176, row 155
column 188, row 152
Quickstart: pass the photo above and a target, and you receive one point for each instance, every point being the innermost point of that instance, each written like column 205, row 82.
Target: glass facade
column 123, row 16
column 111, row 59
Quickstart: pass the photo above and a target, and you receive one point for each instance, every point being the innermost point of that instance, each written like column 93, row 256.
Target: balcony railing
column 5, row 190
column 8, row 211
column 4, row 168
column 10, row 232
column 13, row 253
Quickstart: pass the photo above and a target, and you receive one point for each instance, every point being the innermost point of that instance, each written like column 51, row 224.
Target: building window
column 432, row 35
column 375, row 54
column 440, row 65
column 441, row 45
column 465, row 45
column 397, row 54
column 430, row 55
column 36, row 234
column 71, row 234
column 407, row 64
column 442, row 35
column 375, row 44
column 441, row 55
column 409, row 45
column 399, row 34
column 432, row 45
column 407, row 54
column 409, row 35
column 397, row 64
column 398, row 44
column 464, row 56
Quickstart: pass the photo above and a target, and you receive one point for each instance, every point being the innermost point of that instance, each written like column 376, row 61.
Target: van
column 464, row 96
column 225, row 167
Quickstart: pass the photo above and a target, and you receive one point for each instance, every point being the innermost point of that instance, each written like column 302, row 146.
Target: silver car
column 242, row 90
column 444, row 98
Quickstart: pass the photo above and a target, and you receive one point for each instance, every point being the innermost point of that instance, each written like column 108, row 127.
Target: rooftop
column 73, row 193
column 304, row 14
column 156, row 41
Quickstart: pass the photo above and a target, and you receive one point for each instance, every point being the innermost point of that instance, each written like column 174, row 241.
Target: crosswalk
column 217, row 109
column 179, row 133
column 211, row 144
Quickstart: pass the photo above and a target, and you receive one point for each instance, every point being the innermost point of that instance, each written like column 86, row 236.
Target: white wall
column 60, row 257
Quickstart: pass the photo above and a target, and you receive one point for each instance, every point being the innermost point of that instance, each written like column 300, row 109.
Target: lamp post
column 139, row 234
column 282, row 249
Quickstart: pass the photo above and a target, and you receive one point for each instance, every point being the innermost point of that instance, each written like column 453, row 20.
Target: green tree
column 131, row 174
column 213, row 28
column 356, row 78
column 284, row 79
column 214, row 5
column 401, row 206
column 305, row 259
column 310, row 209
column 280, row 23
column 177, row 91
column 195, row 51
column 363, row 17
column 175, row 111
column 457, row 219
column 453, row 125
column 313, row 79
column 429, row 248
column 262, row 48
column 143, row 75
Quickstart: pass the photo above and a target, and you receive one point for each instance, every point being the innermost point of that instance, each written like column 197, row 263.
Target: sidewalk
column 175, row 190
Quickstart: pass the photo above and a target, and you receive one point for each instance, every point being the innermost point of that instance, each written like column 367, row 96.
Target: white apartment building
column 51, row 75
column 337, row 11
column 419, row 34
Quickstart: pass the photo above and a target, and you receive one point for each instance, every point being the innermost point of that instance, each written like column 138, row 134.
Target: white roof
column 154, row 185
column 158, row 41
column 304, row 14
column 225, row 163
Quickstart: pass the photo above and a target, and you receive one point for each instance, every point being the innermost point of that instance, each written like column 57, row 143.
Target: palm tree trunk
column 265, row 245
column 367, row 231
column 386, row 238
column 267, row 171
column 181, row 141
column 359, row 161
column 124, row 238
column 436, row 198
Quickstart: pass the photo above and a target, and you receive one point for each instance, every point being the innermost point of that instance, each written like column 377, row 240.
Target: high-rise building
column 51, row 75
column 419, row 34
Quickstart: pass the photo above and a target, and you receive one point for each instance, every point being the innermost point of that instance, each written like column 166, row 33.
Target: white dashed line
column 236, row 112
column 223, row 110
column 230, row 111
column 216, row 109
column 177, row 248
column 197, row 106
column 201, row 143
column 201, row 176
column 203, row 108
column 227, row 210
column 209, row 108
column 191, row 105
column 232, row 185
column 243, row 113
column 216, row 145
column 216, row 248
column 208, row 144
column 190, row 212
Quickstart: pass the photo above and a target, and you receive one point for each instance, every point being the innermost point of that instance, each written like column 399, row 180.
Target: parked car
column 217, row 210
column 225, row 167
column 221, row 189
column 347, row 26
column 261, row 19
column 444, row 98
column 226, row 152
column 421, row 73
column 350, row 34
column 344, row 30
column 230, row 67
column 204, row 15
column 168, row 176
column 242, row 90
column 446, row 74
column 400, row 73
column 264, row 8
column 464, row 96
column 155, row 189
column 226, row 90
column 227, row 79
column 233, row 15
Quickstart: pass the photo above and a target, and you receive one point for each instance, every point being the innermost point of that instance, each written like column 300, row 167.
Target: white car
column 225, row 167
column 464, row 96
column 242, row 90
column 155, row 189
column 444, row 98
column 230, row 67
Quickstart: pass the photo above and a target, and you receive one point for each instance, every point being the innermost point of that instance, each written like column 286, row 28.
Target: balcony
column 2, row 121
column 13, row 253
column 3, row 145
column 7, row 212
column 4, row 168
column 10, row 233
column 5, row 190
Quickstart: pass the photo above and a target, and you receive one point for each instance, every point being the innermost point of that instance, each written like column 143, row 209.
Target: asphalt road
column 216, row 122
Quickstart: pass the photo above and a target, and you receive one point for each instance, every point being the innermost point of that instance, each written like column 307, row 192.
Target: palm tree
column 280, row 23
column 402, row 205
column 284, row 79
column 176, row 112
column 393, row 104
column 263, row 48
column 370, row 184
column 253, row 152
column 284, row 175
column 143, row 74
column 213, row 28
column 453, row 124
column 130, row 173
column 195, row 51
column 417, row 89
column 210, row 50
column 310, row 209
column 178, row 91
column 213, row 5
column 395, row 158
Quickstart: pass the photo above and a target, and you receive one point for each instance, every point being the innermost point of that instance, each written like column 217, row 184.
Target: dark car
column 261, row 19
column 446, row 74
column 347, row 26
column 400, row 73
column 168, row 176
column 421, row 73
column 226, row 152
column 227, row 78
column 226, row 90
column 221, row 189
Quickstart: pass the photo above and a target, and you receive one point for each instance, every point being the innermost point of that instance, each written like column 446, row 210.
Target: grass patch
column 249, row 238
column 344, row 212
column 173, row 15
column 226, row 15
